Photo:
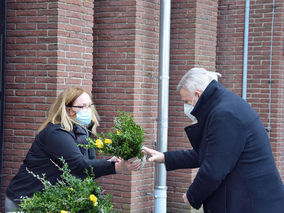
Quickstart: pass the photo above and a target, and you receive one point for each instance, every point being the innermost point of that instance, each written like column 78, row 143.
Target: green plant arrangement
column 68, row 195
column 125, row 141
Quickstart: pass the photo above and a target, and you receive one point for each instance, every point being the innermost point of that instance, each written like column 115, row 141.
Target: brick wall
column 265, row 52
column 262, row 63
column 74, row 35
column 193, row 44
column 126, row 45
column 49, row 47
column 230, row 43
column 28, row 71
column 280, row 19
column 52, row 44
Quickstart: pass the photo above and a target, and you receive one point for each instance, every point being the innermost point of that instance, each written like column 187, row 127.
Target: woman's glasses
column 84, row 107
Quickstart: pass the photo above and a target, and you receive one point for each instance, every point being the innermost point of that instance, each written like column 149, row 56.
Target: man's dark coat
column 237, row 172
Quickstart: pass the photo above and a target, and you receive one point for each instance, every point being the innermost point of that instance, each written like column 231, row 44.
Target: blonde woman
column 71, row 119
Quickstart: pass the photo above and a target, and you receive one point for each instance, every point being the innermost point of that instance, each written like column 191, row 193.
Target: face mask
column 84, row 117
column 187, row 111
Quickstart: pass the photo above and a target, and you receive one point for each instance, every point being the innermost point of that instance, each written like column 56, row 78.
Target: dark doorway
column 3, row 6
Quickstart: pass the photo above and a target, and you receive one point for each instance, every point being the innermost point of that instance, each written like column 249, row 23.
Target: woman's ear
column 70, row 112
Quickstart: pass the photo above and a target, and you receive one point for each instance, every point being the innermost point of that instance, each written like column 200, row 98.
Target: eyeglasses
column 83, row 107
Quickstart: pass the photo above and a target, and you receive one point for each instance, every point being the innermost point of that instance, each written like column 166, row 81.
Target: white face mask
column 187, row 111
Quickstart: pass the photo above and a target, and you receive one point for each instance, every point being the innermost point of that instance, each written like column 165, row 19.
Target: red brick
column 50, row 46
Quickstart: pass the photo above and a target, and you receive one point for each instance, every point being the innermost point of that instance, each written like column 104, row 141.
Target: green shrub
column 70, row 194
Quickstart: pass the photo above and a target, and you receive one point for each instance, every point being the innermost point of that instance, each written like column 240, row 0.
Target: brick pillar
column 261, row 61
column 193, row 44
column 49, row 47
column 126, row 45
column 230, row 43
column 74, row 59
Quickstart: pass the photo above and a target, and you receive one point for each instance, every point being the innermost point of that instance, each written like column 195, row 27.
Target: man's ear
column 198, row 93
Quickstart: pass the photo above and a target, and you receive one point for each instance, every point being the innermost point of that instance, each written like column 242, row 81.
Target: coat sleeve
column 225, row 139
column 61, row 144
column 182, row 159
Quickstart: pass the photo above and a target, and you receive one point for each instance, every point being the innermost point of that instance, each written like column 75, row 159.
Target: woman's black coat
column 52, row 143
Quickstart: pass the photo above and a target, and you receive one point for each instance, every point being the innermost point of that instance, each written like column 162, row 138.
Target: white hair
column 197, row 79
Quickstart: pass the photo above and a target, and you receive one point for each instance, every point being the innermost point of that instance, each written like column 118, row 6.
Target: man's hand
column 185, row 198
column 153, row 155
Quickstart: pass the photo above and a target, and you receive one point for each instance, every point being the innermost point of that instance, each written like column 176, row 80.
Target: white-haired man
column 237, row 172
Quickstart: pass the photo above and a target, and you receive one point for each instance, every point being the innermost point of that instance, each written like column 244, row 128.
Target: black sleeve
column 60, row 143
column 181, row 159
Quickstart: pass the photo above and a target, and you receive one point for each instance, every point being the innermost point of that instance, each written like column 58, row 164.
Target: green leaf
column 127, row 144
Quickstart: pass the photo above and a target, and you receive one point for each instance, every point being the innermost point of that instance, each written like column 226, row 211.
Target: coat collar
column 206, row 102
column 210, row 96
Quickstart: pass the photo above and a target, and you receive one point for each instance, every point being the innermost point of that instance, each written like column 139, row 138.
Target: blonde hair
column 58, row 113
column 197, row 79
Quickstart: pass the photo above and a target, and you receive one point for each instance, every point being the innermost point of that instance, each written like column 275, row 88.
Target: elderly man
column 237, row 172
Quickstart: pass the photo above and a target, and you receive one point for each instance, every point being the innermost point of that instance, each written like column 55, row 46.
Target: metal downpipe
column 162, row 143
column 245, row 54
column 268, row 128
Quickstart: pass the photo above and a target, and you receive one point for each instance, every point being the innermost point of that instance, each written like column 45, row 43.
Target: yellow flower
column 94, row 199
column 62, row 211
column 71, row 188
column 108, row 141
column 117, row 132
column 99, row 144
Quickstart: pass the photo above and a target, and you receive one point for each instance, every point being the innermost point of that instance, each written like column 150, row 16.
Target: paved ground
column 192, row 210
column 196, row 211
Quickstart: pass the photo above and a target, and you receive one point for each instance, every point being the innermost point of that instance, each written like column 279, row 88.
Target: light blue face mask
column 84, row 117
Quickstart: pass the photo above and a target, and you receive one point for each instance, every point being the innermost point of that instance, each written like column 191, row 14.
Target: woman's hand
column 113, row 159
column 131, row 165
column 153, row 155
